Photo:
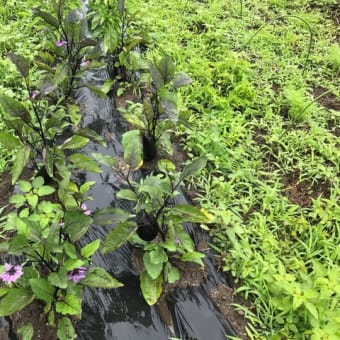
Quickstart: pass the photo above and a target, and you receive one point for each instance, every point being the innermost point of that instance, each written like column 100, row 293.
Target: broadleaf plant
column 158, row 225
column 158, row 114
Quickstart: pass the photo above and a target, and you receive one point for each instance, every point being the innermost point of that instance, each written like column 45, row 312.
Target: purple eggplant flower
column 77, row 274
column 85, row 209
column 12, row 273
column 61, row 43
column 34, row 94
column 177, row 240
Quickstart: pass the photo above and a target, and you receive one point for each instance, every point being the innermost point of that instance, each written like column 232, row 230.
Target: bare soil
column 225, row 300
column 329, row 101
column 34, row 313
column 302, row 192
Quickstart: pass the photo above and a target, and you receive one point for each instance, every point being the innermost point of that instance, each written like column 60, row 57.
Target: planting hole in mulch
column 302, row 192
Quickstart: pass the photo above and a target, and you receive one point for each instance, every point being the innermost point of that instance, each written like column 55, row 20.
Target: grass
column 273, row 176
column 264, row 108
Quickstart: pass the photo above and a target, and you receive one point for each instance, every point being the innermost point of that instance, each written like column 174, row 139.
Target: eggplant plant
column 66, row 45
column 157, row 115
column 46, row 265
column 157, row 223
column 120, row 31
column 38, row 130
column 45, row 122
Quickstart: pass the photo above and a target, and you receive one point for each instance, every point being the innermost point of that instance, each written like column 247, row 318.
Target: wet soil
column 225, row 300
column 302, row 192
column 34, row 313
column 329, row 101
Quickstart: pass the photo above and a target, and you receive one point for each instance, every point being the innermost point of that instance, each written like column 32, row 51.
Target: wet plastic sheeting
column 195, row 317
column 122, row 313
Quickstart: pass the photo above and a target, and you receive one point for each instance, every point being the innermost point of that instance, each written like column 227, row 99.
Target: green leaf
column 166, row 165
column 48, row 162
column 107, row 160
column 171, row 273
column 133, row 148
column 97, row 277
column 15, row 300
column 70, row 250
column 71, row 264
column 127, row 194
column 65, row 329
column 193, row 256
column 158, row 255
column 75, row 142
column 22, row 64
column 59, row 279
column 18, row 245
column 166, row 68
column 61, row 74
column 189, row 213
column 32, row 200
column 47, row 17
column 107, row 85
column 91, row 135
column 17, row 199
column 153, row 269
column 45, row 190
column 21, row 159
column 84, row 188
column 26, row 331
column 90, row 249
column 181, row 79
column 195, row 166
column 4, row 291
column 168, row 105
column 134, row 121
column 9, row 141
column 25, row 186
column 111, row 216
column 88, row 42
column 70, row 306
column 156, row 76
column 148, row 111
column 42, row 289
column 312, row 310
column 118, row 236
column 169, row 245
column 76, row 224
column 84, row 162
column 110, row 40
column 96, row 90
column 151, row 289
column 38, row 182
column 4, row 247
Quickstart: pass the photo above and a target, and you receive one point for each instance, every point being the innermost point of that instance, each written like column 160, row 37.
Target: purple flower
column 61, row 43
column 34, row 94
column 12, row 273
column 77, row 274
column 85, row 209
column 177, row 240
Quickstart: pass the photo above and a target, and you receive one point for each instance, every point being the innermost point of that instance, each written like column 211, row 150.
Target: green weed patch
column 264, row 108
